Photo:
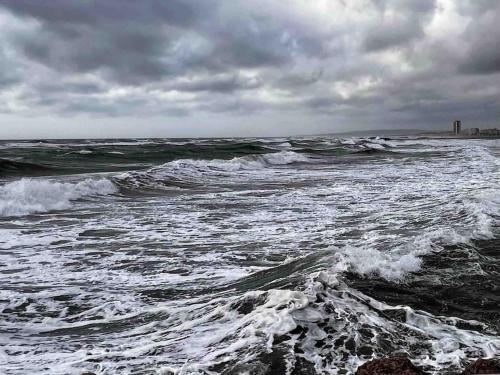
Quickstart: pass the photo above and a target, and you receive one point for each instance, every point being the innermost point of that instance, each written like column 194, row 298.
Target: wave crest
column 186, row 172
column 27, row 196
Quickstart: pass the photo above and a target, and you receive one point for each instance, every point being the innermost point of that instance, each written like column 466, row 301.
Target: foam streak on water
column 212, row 256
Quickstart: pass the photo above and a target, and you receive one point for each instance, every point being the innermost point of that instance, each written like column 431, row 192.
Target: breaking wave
column 260, row 267
column 328, row 317
column 27, row 196
column 186, row 172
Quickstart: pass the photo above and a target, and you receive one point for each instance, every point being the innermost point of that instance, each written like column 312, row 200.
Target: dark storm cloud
column 126, row 41
column 128, row 54
column 483, row 36
column 483, row 60
column 96, row 12
column 134, row 42
column 396, row 60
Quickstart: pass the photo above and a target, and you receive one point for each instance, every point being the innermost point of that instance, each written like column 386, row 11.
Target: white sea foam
column 368, row 261
column 28, row 195
column 249, row 162
column 347, row 141
column 374, row 146
column 284, row 157
column 382, row 142
column 284, row 145
column 339, row 316
column 150, row 311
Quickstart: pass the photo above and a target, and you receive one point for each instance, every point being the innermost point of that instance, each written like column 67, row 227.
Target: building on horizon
column 478, row 132
column 489, row 132
column 457, row 126
column 471, row 131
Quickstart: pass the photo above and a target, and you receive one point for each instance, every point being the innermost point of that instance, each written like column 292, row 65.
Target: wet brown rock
column 483, row 366
column 389, row 366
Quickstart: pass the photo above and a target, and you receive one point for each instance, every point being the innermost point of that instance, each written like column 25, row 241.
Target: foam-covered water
column 26, row 196
column 229, row 256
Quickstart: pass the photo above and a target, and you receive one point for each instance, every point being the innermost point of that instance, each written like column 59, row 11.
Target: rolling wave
column 28, row 196
column 13, row 167
column 79, row 157
column 189, row 172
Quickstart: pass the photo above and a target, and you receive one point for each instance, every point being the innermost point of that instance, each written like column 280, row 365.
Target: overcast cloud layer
column 258, row 67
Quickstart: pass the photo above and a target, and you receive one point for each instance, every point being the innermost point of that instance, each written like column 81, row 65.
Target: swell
column 58, row 158
column 27, row 196
column 159, row 152
column 189, row 173
column 16, row 168
column 63, row 159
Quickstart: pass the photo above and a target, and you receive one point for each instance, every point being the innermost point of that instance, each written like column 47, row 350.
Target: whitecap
column 27, row 196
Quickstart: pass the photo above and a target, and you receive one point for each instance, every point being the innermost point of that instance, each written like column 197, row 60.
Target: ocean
column 302, row 255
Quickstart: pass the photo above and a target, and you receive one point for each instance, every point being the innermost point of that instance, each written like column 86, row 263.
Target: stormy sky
column 127, row 68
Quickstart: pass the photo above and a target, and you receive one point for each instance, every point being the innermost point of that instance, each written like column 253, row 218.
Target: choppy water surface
column 229, row 255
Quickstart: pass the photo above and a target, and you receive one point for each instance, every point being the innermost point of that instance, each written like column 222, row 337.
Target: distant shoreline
column 358, row 133
column 457, row 136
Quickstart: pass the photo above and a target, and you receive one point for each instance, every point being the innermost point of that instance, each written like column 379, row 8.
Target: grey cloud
column 9, row 73
column 300, row 80
column 474, row 8
column 482, row 52
column 79, row 103
column 127, row 58
column 221, row 83
column 126, row 41
column 68, row 88
column 96, row 12
column 392, row 35
column 483, row 60
column 406, row 26
column 120, row 108
column 134, row 42
column 8, row 79
column 407, row 7
column 322, row 102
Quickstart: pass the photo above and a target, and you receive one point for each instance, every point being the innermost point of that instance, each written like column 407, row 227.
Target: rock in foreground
column 483, row 366
column 389, row 366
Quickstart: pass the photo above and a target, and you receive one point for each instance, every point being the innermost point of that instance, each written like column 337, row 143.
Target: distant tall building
column 457, row 125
